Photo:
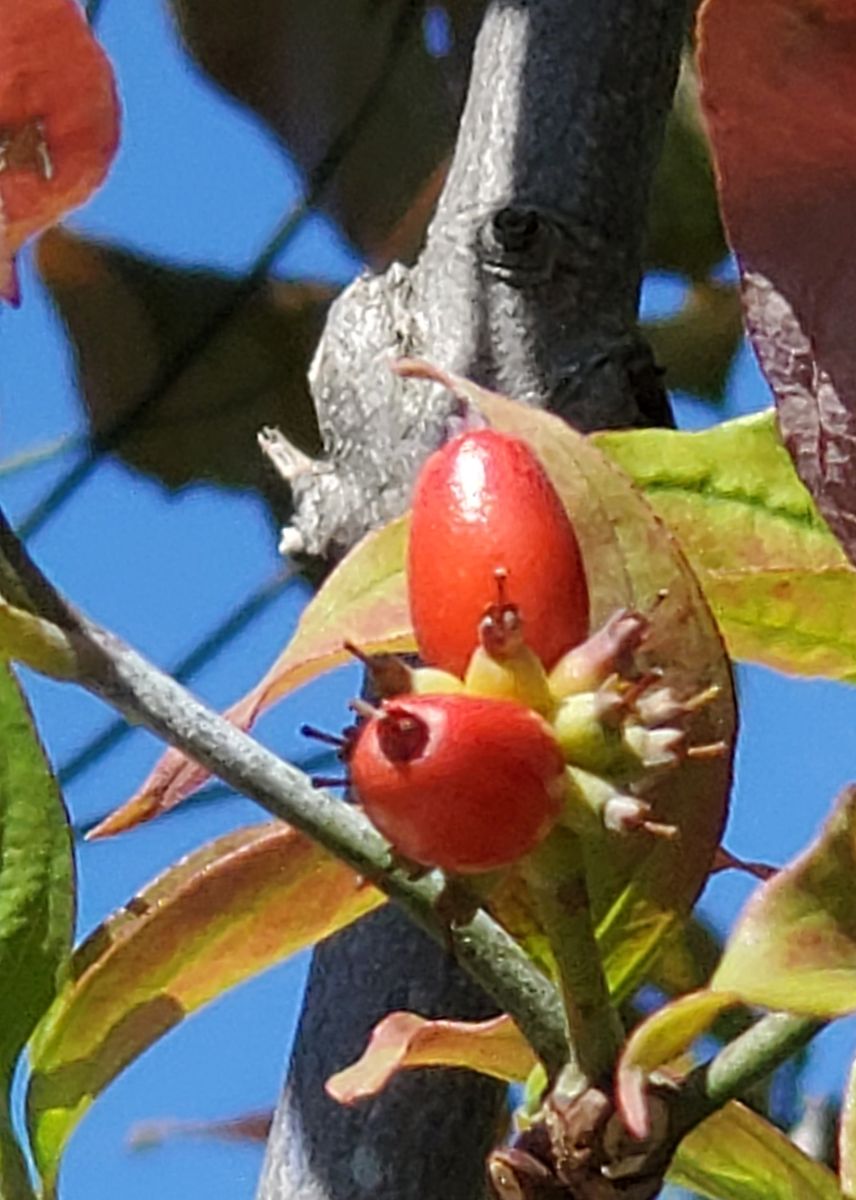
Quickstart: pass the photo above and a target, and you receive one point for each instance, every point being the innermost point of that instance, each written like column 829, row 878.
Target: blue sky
column 199, row 181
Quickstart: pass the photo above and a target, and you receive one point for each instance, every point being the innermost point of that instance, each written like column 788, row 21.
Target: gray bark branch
column 529, row 284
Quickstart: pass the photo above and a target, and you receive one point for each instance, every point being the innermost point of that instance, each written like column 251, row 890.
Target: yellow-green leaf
column 794, row 945
column 38, row 643
column 776, row 579
column 793, row 948
column 738, row 1155
column 659, row 1040
column 227, row 911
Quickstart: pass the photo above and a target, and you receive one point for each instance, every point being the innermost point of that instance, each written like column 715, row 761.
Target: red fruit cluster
column 519, row 717
column 471, row 782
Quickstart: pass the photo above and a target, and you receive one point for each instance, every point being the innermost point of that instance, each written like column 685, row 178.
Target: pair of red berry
column 463, row 771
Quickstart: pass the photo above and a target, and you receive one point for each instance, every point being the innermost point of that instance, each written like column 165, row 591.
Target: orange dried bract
column 59, row 120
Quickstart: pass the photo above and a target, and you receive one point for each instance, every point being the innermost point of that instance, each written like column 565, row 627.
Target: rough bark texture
column 528, row 283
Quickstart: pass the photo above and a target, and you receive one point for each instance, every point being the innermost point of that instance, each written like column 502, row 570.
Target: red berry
column 460, row 782
column 483, row 503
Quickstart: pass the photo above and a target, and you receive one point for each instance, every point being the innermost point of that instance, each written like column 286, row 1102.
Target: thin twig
column 319, row 181
column 556, row 876
column 751, row 1057
column 198, row 656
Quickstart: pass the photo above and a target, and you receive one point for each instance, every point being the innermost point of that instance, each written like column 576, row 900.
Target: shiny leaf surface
column 37, row 896
column 782, row 590
column 737, row 1155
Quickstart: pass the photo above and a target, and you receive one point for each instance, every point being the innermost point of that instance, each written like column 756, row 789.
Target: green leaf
column 793, row 948
column 776, row 579
column 38, row 643
column 131, row 318
column 659, row 1040
column 36, row 904
column 14, row 1177
column 737, row 1155
column 363, row 600
column 242, row 903
column 36, row 878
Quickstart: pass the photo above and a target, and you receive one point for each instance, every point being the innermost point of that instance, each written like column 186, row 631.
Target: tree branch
column 750, row 1058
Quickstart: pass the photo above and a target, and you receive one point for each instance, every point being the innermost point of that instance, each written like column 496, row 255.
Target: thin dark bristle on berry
column 321, row 735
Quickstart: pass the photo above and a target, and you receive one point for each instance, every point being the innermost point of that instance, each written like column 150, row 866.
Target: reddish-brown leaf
column 59, row 119
column 495, row 1047
column 779, row 95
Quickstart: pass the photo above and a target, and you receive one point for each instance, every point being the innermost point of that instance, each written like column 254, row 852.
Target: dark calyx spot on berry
column 401, row 735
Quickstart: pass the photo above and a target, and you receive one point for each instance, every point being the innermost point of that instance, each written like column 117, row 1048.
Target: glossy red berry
column 460, row 782
column 483, row 503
